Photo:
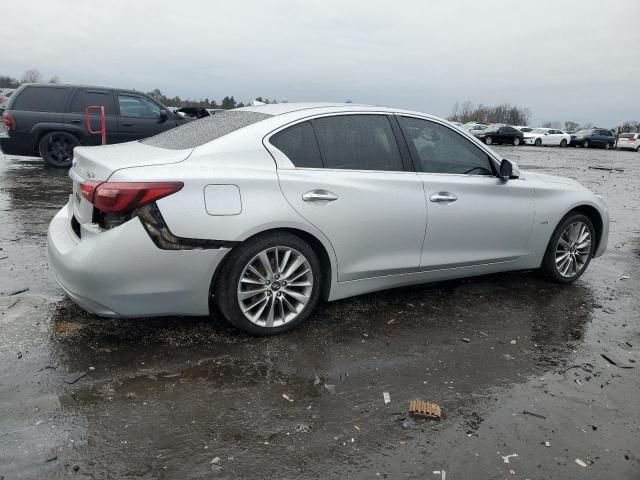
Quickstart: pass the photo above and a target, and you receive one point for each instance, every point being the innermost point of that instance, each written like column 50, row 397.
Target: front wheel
column 269, row 284
column 570, row 249
column 538, row 142
column 488, row 140
column 607, row 146
column 563, row 142
column 516, row 141
column 56, row 149
column 585, row 144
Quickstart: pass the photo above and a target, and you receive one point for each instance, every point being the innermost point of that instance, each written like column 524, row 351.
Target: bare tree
column 54, row 79
column 504, row 113
column 31, row 76
column 552, row 124
column 571, row 126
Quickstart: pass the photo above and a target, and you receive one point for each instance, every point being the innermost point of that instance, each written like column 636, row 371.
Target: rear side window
column 85, row 98
column 358, row 142
column 40, row 99
column 199, row 132
column 439, row 149
column 299, row 144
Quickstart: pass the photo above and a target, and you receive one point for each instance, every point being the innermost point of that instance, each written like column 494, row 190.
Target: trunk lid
column 99, row 163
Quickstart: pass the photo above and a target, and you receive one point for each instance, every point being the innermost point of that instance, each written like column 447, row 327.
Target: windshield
column 526, row 129
column 584, row 132
column 492, row 128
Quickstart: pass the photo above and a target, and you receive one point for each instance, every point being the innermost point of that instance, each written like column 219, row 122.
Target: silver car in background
column 264, row 210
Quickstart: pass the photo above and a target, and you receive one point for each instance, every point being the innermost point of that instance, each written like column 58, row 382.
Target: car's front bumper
column 121, row 273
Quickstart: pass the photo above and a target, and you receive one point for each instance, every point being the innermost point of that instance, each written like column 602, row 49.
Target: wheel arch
column 324, row 253
column 592, row 214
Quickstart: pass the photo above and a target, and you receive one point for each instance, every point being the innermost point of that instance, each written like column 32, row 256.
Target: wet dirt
column 87, row 397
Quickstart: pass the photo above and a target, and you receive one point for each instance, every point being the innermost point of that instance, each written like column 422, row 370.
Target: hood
column 543, row 177
column 99, row 163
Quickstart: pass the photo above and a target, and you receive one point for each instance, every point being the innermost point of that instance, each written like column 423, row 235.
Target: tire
column 56, row 149
column 638, row 149
column 538, row 142
column 567, row 233
column 563, row 142
column 488, row 140
column 607, row 146
column 516, row 141
column 276, row 302
column 586, row 144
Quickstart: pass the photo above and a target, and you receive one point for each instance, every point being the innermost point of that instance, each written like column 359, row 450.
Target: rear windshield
column 40, row 99
column 627, row 135
column 199, row 132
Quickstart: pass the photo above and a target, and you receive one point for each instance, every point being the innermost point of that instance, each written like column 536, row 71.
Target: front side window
column 132, row 106
column 299, row 144
column 439, row 149
column 357, row 142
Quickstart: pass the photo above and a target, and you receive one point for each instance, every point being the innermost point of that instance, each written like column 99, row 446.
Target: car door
column 347, row 175
column 93, row 97
column 473, row 217
column 139, row 117
column 553, row 137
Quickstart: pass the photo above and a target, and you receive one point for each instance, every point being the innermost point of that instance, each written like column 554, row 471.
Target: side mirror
column 163, row 116
column 508, row 170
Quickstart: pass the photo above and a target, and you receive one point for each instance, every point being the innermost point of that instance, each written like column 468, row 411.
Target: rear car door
column 139, row 117
column 347, row 178
column 473, row 217
column 75, row 116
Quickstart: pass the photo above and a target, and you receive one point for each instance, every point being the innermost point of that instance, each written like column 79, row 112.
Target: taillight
column 88, row 188
column 119, row 197
column 9, row 121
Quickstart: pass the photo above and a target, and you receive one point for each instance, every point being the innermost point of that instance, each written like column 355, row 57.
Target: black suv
column 501, row 134
column 593, row 137
column 49, row 120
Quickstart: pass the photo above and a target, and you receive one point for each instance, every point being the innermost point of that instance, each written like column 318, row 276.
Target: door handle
column 127, row 124
column 319, row 196
column 443, row 197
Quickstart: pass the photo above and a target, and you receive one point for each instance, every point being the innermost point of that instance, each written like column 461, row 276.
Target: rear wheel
column 570, row 249
column 269, row 285
column 488, row 140
column 56, row 149
column 538, row 142
column 607, row 146
column 563, row 142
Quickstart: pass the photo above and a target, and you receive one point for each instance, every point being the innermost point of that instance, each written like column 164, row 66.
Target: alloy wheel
column 60, row 149
column 275, row 286
column 573, row 249
column 488, row 140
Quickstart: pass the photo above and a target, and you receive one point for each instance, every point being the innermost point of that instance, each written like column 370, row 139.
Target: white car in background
column 547, row 136
column 629, row 141
column 474, row 128
column 524, row 129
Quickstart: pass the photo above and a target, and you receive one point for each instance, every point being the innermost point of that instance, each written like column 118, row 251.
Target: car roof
column 71, row 85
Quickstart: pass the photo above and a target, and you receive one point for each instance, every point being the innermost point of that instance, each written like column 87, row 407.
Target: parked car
column 524, row 129
column 629, row 141
column 49, row 120
column 593, row 137
column 500, row 134
column 264, row 210
column 547, row 136
column 474, row 128
column 5, row 94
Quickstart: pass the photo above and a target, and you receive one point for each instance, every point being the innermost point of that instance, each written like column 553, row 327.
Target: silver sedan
column 265, row 210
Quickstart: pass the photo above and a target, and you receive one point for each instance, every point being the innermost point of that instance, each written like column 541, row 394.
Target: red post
column 103, row 123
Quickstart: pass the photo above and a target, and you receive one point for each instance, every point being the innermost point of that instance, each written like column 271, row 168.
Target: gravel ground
column 190, row 398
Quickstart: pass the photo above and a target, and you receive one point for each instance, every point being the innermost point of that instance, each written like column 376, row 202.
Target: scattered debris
column 317, row 380
column 608, row 169
column 629, row 344
column 615, row 362
column 357, row 427
column 215, row 461
column 76, row 468
column 19, row 355
column 625, row 277
column 75, row 378
column 330, row 388
column 287, row 397
column 580, row 462
column 526, row 412
column 506, row 459
column 302, row 428
column 585, row 366
column 4, row 258
column 91, row 369
column 547, row 444
column 465, row 340
column 16, row 292
column 391, row 321
column 52, row 457
column 386, row 397
column 513, row 342
column 508, row 356
column 420, row 408
column 442, row 473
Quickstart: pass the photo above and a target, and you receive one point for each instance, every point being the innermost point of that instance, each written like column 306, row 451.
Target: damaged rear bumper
column 121, row 272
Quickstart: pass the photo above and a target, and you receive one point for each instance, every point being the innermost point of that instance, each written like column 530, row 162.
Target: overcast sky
column 564, row 60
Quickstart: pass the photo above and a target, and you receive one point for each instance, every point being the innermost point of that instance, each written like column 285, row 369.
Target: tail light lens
column 120, row 197
column 9, row 121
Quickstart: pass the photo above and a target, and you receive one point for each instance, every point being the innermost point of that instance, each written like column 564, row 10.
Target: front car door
column 93, row 97
column 348, row 176
column 473, row 217
column 139, row 117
